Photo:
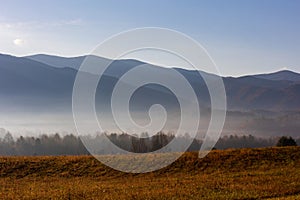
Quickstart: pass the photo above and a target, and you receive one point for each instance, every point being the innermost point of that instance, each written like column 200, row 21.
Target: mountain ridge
column 255, row 105
column 243, row 93
column 44, row 58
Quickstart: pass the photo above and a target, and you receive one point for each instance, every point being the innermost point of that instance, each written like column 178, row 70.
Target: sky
column 242, row 37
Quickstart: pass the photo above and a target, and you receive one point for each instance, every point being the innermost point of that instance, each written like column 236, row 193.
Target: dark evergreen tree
column 286, row 141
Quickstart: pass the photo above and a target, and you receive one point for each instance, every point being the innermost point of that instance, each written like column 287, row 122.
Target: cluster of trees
column 249, row 141
column 43, row 145
column 72, row 145
column 142, row 144
column 287, row 141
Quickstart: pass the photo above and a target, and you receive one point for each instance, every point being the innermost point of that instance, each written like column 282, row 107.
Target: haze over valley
column 36, row 97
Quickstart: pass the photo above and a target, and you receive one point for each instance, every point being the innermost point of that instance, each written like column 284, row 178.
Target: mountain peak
column 284, row 74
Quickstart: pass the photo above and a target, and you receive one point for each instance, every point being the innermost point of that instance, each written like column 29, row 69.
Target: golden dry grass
column 271, row 173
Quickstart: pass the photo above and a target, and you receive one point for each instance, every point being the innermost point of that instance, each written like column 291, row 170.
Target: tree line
column 72, row 145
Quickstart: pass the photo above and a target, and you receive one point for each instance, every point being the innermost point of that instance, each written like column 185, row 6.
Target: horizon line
column 156, row 64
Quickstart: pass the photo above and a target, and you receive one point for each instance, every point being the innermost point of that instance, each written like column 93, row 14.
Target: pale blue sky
column 243, row 37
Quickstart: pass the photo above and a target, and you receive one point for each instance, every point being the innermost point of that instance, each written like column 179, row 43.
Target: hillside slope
column 271, row 173
column 88, row 166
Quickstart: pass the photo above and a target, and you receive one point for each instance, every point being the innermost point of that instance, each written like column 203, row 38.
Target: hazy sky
column 243, row 37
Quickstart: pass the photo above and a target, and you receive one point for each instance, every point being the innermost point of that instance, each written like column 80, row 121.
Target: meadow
column 263, row 173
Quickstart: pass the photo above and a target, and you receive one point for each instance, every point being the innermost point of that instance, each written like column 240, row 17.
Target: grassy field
column 270, row 173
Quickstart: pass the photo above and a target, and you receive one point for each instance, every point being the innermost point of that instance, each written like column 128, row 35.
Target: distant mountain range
column 45, row 82
column 48, row 77
column 280, row 76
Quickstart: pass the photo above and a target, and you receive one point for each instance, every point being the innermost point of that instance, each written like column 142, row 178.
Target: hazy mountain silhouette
column 43, row 84
column 274, row 91
column 280, row 75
